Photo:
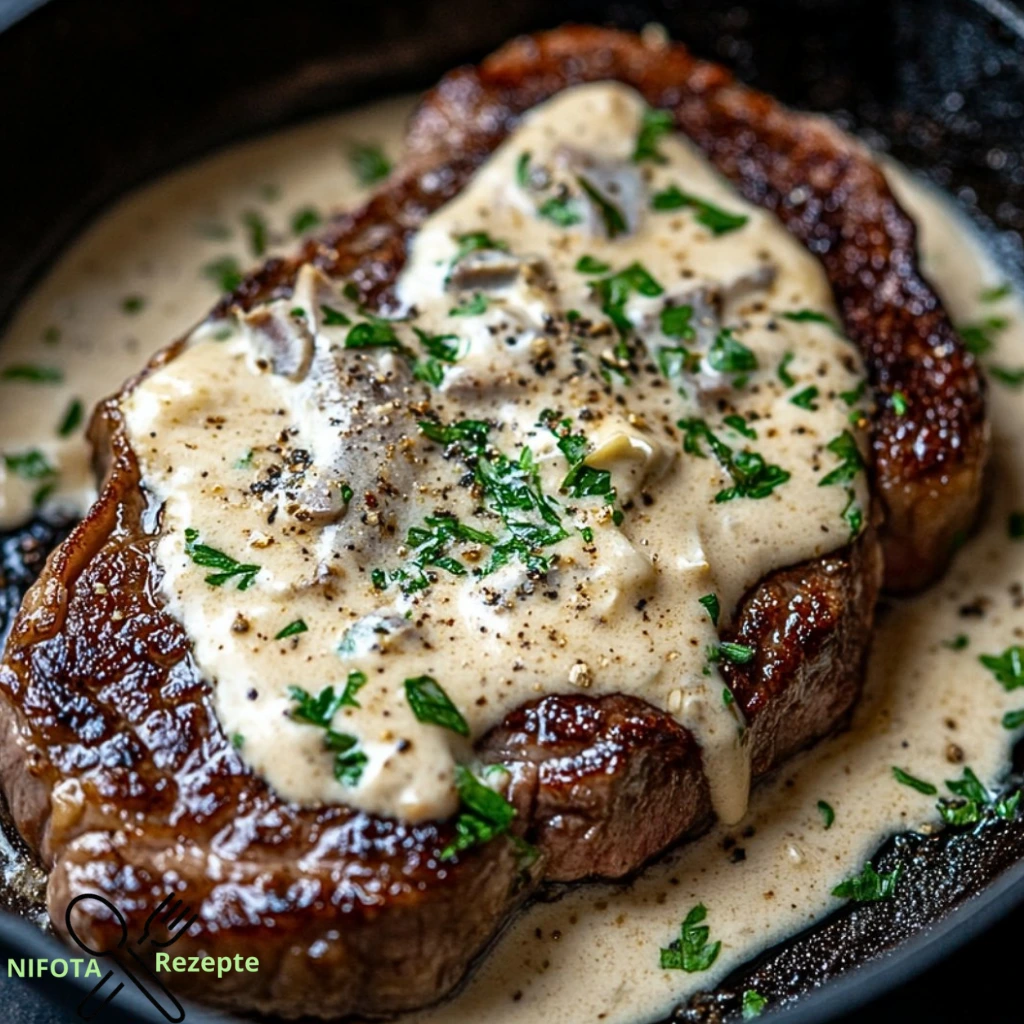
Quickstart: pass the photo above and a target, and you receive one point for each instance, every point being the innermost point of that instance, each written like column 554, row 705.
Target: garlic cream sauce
column 930, row 708
column 567, row 536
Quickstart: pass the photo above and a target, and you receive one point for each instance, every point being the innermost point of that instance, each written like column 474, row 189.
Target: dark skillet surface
column 104, row 97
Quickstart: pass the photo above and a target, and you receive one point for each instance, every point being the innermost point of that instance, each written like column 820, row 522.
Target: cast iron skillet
column 99, row 96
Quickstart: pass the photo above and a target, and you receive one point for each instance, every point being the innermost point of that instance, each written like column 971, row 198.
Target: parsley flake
column 869, row 886
column 691, row 952
column 714, row 218
column 210, row 558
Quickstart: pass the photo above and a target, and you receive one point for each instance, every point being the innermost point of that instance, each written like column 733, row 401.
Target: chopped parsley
column 752, row 476
column 485, row 814
column 614, row 220
column 237, row 740
column 906, row 779
column 32, row 373
column 734, row 421
column 869, row 886
column 854, row 396
column 211, row 558
column 729, row 355
column 470, row 307
column 349, row 761
column 374, row 333
column 29, row 465
column 72, row 418
column 805, row 399
column 1013, row 719
column 256, row 227
column 332, row 317
column 957, row 643
column 224, row 272
column 523, row 169
column 677, row 322
column 582, row 481
column 714, row 218
column 675, row 360
column 845, row 448
column 828, row 815
column 691, row 952
column 305, row 219
column 788, row 380
column 979, row 337
column 1011, row 378
column 292, row 629
column 1000, row 291
column 900, row 405
column 811, row 316
column 560, row 210
column 654, row 124
column 973, row 802
column 1008, row 667
column 614, row 291
column 431, row 705
column 753, row 1004
column 740, row 654
column 430, row 544
column 132, row 304
column 441, row 348
column 475, row 241
column 369, row 163
column 591, row 265
column 710, row 604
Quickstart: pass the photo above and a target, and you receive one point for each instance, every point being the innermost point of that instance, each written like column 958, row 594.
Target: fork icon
column 175, row 919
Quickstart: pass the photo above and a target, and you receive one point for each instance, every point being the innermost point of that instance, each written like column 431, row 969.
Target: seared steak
column 120, row 775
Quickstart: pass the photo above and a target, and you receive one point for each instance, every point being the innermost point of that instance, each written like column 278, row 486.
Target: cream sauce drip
column 292, row 439
column 927, row 708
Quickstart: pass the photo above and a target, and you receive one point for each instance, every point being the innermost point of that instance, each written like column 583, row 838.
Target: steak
column 120, row 775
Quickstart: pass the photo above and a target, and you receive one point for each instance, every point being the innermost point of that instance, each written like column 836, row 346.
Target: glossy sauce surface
column 930, row 707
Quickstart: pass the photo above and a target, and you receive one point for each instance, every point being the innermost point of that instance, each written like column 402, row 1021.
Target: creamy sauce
column 146, row 272
column 280, row 438
column 928, row 708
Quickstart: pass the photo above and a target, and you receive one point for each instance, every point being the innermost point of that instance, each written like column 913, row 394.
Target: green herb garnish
column 211, row 558
column 368, row 163
column 845, row 448
column 560, row 210
column 32, row 373
column 752, row 476
column 72, row 418
column 805, row 399
column 710, row 604
column 305, row 219
column 614, row 220
column 811, row 316
column 677, row 322
column 614, row 291
column 256, row 226
column 691, row 952
column 828, row 815
column 900, row 405
column 753, row 1004
column 1000, row 291
column 869, row 886
column 714, row 218
column 132, row 304
column 974, row 802
column 1008, row 667
column 729, row 355
column 470, row 307
column 906, row 779
column 591, row 265
column 431, row 705
column 292, row 629
column 29, row 465
column 485, row 814
column 1013, row 719
column 654, row 124
column 333, row 317
column 224, row 272
column 979, row 337
column 788, row 380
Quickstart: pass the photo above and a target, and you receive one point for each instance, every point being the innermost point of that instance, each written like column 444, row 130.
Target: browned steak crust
column 118, row 771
